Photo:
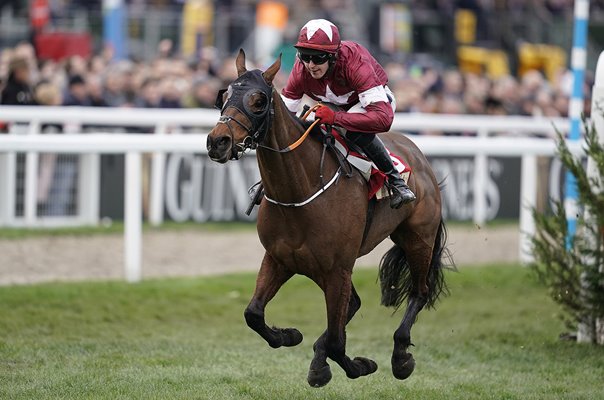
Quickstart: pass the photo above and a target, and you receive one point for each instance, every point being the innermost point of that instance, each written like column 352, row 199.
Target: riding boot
column 399, row 191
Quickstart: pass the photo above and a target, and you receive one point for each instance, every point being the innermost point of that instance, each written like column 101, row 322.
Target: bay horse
column 318, row 229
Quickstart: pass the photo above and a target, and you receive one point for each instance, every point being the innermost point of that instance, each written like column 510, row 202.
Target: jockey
column 345, row 74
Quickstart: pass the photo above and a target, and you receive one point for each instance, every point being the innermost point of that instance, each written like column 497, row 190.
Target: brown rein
column 303, row 137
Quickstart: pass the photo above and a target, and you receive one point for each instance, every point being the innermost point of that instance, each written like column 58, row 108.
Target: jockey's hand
column 326, row 115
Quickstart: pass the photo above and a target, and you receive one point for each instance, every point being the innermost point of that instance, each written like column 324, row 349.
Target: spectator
column 47, row 94
column 77, row 93
column 202, row 94
column 172, row 93
column 17, row 90
column 94, row 85
column 494, row 106
column 149, row 94
column 113, row 93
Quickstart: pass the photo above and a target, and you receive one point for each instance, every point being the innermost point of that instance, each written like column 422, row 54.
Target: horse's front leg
column 338, row 289
column 270, row 278
column 320, row 373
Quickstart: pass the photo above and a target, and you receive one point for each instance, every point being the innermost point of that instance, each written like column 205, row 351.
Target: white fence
column 91, row 145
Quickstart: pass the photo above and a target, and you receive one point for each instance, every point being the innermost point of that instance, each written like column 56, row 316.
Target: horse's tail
column 395, row 274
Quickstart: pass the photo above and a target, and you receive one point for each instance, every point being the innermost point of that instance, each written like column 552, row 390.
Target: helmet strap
column 332, row 62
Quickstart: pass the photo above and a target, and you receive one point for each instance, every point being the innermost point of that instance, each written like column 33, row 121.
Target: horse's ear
column 271, row 71
column 240, row 63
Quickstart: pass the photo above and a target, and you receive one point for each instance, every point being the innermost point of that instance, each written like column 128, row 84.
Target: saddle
column 374, row 177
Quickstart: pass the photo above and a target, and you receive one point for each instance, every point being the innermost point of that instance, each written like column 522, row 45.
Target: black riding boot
column 399, row 191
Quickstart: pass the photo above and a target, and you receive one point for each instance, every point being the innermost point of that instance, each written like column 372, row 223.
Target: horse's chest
column 296, row 254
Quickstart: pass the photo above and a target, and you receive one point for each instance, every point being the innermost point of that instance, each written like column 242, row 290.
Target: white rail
column 481, row 147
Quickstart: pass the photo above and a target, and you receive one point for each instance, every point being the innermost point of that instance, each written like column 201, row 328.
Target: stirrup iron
column 256, row 191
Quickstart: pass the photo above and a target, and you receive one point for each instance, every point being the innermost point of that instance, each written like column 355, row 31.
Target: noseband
column 239, row 93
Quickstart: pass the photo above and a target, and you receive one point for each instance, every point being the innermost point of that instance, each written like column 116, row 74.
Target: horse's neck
column 288, row 176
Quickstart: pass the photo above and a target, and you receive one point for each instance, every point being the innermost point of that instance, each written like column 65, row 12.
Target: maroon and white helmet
column 319, row 34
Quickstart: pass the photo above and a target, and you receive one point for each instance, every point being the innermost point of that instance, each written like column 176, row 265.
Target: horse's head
column 246, row 109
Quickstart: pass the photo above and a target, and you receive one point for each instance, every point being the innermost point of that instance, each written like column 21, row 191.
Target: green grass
column 495, row 337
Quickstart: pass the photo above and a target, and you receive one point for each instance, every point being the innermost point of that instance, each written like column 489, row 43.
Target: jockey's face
column 316, row 65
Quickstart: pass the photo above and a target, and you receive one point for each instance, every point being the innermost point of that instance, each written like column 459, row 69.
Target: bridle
column 239, row 94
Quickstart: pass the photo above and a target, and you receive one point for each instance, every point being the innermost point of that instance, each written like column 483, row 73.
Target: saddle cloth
column 374, row 177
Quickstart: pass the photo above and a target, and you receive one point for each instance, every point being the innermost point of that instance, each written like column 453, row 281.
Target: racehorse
column 318, row 229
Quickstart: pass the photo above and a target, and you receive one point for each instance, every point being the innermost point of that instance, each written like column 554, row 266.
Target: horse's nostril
column 223, row 141
column 209, row 143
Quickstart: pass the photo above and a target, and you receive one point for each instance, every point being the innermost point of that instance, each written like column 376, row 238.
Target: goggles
column 318, row 59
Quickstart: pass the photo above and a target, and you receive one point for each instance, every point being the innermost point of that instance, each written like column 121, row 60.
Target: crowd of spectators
column 169, row 81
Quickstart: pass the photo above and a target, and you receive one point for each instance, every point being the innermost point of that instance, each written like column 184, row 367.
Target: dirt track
column 190, row 253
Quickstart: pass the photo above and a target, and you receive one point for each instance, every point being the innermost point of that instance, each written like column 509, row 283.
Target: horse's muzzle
column 219, row 148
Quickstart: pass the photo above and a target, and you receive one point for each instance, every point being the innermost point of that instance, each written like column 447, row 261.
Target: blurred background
column 454, row 57
column 443, row 57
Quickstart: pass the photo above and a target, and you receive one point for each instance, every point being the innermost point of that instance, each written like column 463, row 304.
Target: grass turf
column 495, row 337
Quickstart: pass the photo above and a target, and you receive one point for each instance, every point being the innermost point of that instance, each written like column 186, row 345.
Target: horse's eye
column 259, row 104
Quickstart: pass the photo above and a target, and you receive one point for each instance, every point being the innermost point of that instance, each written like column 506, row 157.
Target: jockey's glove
column 326, row 115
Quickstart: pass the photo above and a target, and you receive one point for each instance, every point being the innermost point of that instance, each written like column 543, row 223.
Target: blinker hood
column 238, row 94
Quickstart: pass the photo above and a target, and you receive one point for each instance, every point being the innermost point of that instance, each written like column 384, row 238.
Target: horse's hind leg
column 270, row 278
column 319, row 373
column 417, row 249
column 338, row 288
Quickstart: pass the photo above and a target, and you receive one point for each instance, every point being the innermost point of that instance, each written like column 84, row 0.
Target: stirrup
column 400, row 194
column 256, row 192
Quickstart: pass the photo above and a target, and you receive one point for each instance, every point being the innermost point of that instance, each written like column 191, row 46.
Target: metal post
column 31, row 179
column 8, row 163
column 133, row 218
column 481, row 174
column 89, row 185
column 158, row 166
column 528, row 200
column 578, row 62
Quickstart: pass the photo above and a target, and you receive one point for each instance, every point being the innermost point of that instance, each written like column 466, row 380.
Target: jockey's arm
column 378, row 117
column 291, row 104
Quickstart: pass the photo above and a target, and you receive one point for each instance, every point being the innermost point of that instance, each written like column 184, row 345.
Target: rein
column 260, row 125
column 301, row 139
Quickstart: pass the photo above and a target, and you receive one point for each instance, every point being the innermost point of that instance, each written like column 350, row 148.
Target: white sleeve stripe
column 292, row 104
column 373, row 95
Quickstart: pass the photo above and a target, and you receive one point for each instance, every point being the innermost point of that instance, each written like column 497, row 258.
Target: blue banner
column 113, row 27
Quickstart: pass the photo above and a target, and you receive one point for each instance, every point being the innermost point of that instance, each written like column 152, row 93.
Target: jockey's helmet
column 320, row 35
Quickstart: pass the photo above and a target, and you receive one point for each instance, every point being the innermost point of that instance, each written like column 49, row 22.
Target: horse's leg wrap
column 270, row 279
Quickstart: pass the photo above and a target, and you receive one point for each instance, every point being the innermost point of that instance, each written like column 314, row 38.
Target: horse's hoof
column 319, row 377
column 404, row 368
column 291, row 337
column 367, row 366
